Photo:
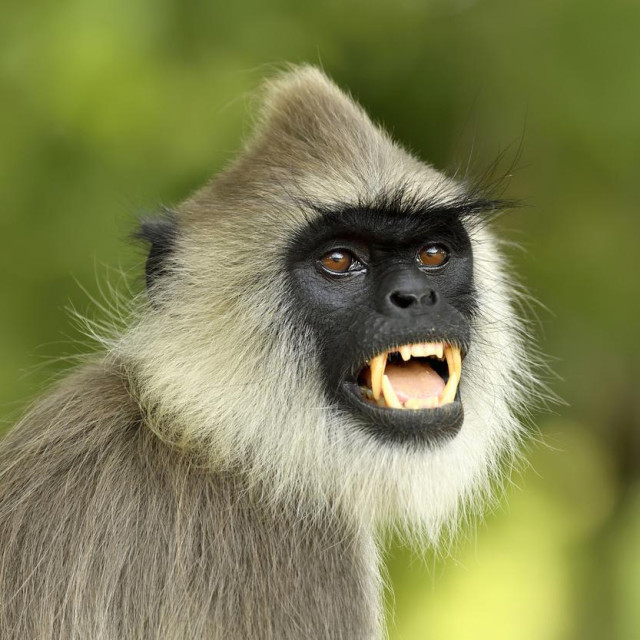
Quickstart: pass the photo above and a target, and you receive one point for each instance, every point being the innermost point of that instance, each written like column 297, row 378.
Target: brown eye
column 433, row 255
column 337, row 261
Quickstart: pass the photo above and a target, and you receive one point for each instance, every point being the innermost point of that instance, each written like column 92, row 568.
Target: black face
column 390, row 296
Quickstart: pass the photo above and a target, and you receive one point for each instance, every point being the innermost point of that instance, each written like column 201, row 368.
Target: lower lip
column 411, row 427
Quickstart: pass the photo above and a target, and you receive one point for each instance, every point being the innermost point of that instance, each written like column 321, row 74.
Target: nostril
column 429, row 299
column 402, row 299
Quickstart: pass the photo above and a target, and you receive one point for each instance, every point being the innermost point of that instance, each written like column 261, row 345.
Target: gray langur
column 327, row 348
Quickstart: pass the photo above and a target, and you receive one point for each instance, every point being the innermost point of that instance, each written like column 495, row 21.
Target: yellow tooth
column 389, row 394
column 418, row 350
column 434, row 349
column 405, row 352
column 448, row 352
column 431, row 403
column 457, row 362
column 422, row 403
column 454, row 363
column 377, row 371
column 426, row 349
column 449, row 393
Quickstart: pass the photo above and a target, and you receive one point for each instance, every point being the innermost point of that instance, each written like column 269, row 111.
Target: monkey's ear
column 161, row 234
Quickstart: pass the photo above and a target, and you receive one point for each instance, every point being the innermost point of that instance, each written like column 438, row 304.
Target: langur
column 326, row 349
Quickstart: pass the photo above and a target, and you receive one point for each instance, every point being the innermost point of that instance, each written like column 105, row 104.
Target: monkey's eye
column 339, row 261
column 433, row 256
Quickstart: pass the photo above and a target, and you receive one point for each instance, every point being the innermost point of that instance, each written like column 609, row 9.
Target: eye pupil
column 337, row 261
column 433, row 255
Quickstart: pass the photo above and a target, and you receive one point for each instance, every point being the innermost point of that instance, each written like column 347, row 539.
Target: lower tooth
column 377, row 371
column 422, row 403
column 389, row 394
column 450, row 390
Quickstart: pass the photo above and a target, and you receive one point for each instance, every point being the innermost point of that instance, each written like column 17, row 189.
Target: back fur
column 108, row 534
column 197, row 482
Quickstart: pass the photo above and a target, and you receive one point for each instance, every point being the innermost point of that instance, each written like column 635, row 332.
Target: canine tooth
column 457, row 362
column 405, row 352
column 454, row 362
column 449, row 393
column 377, row 371
column 389, row 394
column 448, row 353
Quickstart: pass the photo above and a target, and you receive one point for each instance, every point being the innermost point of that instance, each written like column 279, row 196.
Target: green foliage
column 110, row 108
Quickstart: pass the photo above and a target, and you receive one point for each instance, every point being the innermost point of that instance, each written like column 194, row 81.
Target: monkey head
column 332, row 318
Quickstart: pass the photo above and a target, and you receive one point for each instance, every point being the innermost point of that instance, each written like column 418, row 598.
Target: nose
column 412, row 299
column 405, row 292
column 402, row 292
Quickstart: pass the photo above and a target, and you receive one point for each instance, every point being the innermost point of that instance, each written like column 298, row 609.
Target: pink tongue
column 414, row 379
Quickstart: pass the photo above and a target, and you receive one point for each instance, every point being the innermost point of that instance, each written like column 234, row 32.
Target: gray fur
column 195, row 482
column 109, row 534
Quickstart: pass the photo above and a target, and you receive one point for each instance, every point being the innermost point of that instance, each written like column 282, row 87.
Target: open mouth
column 412, row 377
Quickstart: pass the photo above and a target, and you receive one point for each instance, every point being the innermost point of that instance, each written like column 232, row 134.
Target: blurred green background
column 109, row 108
